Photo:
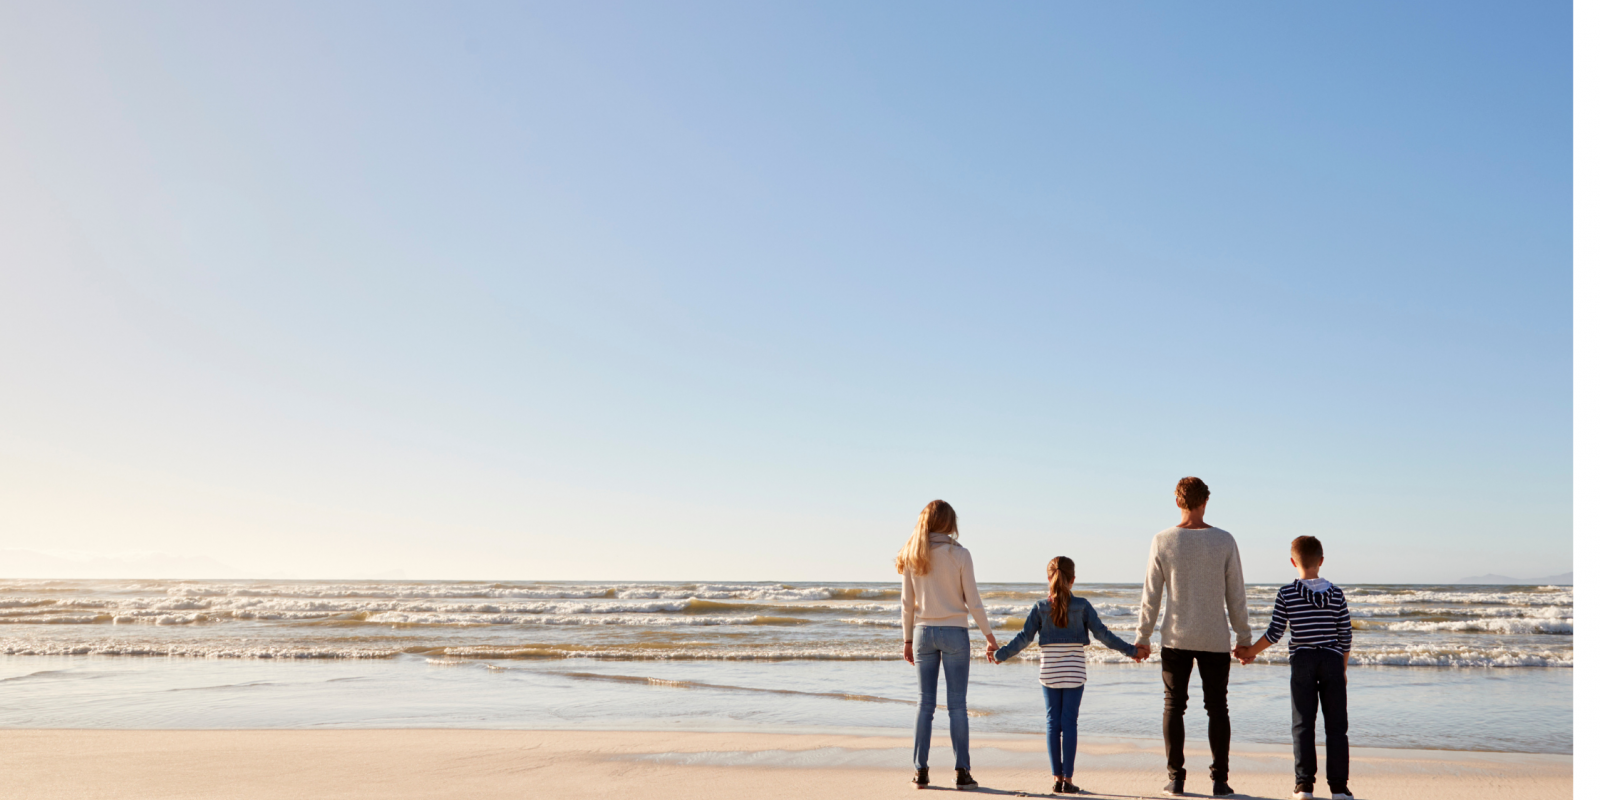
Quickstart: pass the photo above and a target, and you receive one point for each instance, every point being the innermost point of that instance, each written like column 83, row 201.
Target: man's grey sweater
column 1198, row 570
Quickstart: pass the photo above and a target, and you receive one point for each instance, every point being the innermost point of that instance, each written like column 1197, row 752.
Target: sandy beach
column 398, row 764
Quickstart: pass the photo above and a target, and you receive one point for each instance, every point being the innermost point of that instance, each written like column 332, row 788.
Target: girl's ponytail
column 1061, row 573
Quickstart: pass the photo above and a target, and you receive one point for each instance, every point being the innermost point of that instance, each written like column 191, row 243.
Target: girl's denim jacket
column 1081, row 621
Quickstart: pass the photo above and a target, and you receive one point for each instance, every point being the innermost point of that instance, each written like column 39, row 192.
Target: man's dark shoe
column 964, row 779
column 1343, row 793
column 920, row 778
column 1302, row 791
column 1174, row 788
column 1221, row 789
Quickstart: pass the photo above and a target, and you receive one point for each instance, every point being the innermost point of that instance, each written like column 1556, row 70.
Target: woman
column 937, row 592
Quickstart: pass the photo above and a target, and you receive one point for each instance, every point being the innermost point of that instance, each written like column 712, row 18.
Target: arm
column 1238, row 609
column 1155, row 582
column 1022, row 639
column 1091, row 618
column 969, row 593
column 1275, row 629
column 1342, row 629
column 908, row 610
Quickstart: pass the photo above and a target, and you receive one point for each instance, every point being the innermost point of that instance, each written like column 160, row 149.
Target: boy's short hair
column 1193, row 493
column 1307, row 550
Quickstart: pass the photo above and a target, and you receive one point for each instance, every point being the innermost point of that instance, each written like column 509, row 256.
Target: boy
column 1318, row 620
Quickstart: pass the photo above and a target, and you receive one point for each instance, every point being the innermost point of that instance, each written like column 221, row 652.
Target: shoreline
column 457, row 762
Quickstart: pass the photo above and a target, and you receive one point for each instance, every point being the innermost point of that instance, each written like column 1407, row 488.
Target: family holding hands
column 1196, row 568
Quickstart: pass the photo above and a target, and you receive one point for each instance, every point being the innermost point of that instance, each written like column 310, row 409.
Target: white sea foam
column 1562, row 598
column 1423, row 626
column 1503, row 626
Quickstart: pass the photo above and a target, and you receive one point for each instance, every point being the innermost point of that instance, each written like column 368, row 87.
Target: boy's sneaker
column 1174, row 788
column 1221, row 789
column 1343, row 794
column 964, row 780
column 1301, row 792
column 919, row 779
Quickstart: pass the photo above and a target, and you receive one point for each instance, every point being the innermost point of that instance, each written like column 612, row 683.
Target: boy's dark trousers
column 1176, row 665
column 1317, row 675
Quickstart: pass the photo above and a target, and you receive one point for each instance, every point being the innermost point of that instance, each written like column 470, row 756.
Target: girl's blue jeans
column 1061, row 728
column 933, row 646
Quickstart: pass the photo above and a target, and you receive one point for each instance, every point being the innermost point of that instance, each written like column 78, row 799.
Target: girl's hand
column 909, row 659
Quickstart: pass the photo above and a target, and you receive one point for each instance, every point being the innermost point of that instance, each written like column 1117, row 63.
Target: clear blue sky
column 729, row 291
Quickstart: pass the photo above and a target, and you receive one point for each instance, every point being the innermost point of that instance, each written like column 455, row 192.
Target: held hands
column 1245, row 654
column 1141, row 652
column 988, row 652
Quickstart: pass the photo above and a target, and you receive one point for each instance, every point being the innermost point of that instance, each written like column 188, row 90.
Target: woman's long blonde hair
column 936, row 517
column 1060, row 573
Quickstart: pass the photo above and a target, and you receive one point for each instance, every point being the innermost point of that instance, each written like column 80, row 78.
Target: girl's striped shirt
column 1315, row 614
column 1062, row 666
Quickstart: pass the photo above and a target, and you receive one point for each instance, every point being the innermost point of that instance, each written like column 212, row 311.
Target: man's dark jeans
column 1317, row 675
column 1175, row 668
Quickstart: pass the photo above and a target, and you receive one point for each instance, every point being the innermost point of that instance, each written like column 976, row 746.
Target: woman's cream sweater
column 946, row 594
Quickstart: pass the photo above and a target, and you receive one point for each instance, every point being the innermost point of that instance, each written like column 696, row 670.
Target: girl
column 1063, row 624
column 937, row 592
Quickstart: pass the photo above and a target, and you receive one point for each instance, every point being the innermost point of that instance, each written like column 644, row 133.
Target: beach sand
column 400, row 764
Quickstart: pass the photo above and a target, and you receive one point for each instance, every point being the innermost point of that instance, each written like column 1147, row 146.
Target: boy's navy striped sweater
column 1315, row 618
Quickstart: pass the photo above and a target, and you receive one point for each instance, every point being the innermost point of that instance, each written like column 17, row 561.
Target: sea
column 1449, row 667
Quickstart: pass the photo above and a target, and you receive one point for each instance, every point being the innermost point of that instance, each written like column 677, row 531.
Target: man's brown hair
column 1306, row 550
column 1193, row 493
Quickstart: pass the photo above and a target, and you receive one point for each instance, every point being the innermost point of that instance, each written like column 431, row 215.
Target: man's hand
column 909, row 659
column 1141, row 652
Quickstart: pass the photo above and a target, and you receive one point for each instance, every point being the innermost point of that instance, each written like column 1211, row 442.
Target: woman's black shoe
column 920, row 778
column 964, row 779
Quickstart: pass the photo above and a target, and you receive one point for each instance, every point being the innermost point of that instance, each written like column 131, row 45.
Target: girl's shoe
column 919, row 778
column 1067, row 787
column 1057, row 788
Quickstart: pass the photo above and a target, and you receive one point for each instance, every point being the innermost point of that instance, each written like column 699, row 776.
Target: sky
column 729, row 291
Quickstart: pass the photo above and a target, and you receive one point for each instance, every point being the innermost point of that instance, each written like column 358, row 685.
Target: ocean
column 1434, row 667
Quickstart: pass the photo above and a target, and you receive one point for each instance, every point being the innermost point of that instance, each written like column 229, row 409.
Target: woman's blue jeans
column 1061, row 728
column 947, row 645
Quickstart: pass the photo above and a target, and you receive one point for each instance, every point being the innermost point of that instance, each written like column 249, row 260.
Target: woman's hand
column 993, row 646
column 909, row 659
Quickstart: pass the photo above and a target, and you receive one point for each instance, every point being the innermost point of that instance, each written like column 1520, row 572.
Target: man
column 1197, row 567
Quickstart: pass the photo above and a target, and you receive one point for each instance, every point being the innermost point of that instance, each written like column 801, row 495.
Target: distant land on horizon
column 1564, row 579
